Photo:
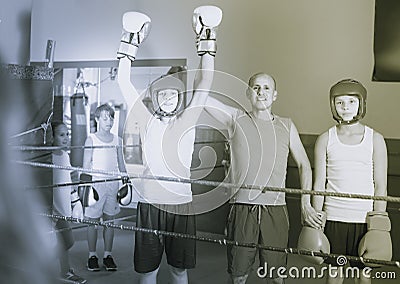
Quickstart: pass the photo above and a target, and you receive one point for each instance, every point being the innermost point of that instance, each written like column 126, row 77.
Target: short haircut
column 104, row 107
column 259, row 74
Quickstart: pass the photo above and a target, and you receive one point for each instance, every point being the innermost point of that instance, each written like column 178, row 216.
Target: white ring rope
column 214, row 183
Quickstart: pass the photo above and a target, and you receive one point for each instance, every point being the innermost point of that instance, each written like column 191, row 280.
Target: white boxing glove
column 124, row 195
column 136, row 27
column 205, row 23
column 87, row 193
column 77, row 209
column 377, row 242
column 314, row 240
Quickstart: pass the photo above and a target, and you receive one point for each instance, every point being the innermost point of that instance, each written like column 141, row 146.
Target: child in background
column 109, row 159
column 65, row 202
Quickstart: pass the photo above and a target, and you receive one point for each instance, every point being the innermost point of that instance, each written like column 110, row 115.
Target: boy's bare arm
column 88, row 153
column 380, row 170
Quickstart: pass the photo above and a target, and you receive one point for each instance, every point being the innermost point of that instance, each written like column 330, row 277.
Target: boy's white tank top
column 349, row 169
column 104, row 158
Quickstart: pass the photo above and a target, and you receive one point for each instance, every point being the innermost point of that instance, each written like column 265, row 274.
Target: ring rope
column 83, row 226
column 220, row 241
column 217, row 184
column 58, row 185
column 44, row 126
column 52, row 148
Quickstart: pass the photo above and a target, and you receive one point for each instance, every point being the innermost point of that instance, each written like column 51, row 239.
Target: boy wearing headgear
column 167, row 132
column 351, row 158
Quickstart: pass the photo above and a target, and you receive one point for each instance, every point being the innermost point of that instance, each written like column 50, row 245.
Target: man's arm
column 320, row 170
column 380, row 170
column 303, row 164
column 221, row 112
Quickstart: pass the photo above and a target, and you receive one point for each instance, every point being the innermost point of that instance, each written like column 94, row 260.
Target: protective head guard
column 349, row 87
column 163, row 83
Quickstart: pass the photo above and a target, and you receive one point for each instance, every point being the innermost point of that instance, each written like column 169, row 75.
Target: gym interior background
column 306, row 45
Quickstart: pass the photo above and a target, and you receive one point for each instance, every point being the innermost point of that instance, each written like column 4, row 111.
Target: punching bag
column 79, row 127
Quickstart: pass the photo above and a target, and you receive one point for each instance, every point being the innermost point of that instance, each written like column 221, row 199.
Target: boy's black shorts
column 344, row 239
column 149, row 248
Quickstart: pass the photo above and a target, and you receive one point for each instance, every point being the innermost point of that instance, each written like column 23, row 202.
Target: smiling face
column 261, row 92
column 61, row 136
column 168, row 99
column 347, row 106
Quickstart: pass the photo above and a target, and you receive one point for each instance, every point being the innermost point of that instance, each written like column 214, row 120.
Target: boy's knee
column 177, row 271
column 239, row 279
column 148, row 277
column 178, row 275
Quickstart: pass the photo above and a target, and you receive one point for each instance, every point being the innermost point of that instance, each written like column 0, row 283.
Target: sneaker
column 93, row 264
column 109, row 263
column 71, row 277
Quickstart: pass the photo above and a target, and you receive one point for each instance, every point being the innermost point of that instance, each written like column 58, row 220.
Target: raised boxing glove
column 87, row 193
column 315, row 240
column 376, row 243
column 124, row 195
column 205, row 23
column 136, row 27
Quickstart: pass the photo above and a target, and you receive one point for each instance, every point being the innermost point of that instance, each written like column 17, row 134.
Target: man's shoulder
column 284, row 119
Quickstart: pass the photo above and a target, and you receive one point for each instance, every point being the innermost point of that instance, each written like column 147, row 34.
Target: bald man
column 260, row 143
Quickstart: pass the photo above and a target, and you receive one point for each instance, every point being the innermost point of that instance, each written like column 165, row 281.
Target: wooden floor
column 210, row 267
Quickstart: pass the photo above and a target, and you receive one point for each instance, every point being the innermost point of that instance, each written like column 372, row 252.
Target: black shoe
column 93, row 264
column 71, row 277
column 109, row 263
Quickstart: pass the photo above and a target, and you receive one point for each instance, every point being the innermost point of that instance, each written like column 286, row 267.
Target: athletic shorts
column 107, row 204
column 259, row 224
column 149, row 247
column 65, row 238
column 344, row 239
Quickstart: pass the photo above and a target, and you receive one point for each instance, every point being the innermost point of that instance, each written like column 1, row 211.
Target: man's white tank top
column 259, row 157
column 349, row 169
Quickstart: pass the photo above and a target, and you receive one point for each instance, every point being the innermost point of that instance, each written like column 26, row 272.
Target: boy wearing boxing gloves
column 167, row 130
column 352, row 158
